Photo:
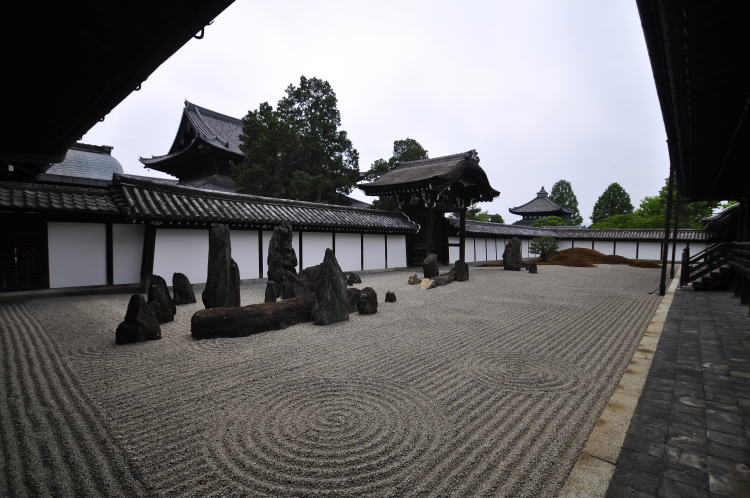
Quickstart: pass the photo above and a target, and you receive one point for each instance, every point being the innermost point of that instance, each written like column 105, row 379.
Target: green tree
column 297, row 150
column 475, row 213
column 562, row 194
column 614, row 200
column 685, row 214
column 407, row 149
column 630, row 220
column 550, row 221
column 543, row 246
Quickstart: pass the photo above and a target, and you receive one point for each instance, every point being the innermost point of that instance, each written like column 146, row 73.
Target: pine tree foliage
column 562, row 194
column 614, row 200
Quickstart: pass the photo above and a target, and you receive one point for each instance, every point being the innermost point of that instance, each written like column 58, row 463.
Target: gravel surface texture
column 485, row 387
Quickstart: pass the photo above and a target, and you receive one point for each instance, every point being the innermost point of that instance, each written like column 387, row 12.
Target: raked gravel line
column 486, row 387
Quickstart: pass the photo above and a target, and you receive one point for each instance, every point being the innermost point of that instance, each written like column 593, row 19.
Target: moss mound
column 582, row 257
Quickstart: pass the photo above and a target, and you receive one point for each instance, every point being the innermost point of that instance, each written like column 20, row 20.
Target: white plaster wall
column 314, row 245
column 469, row 249
column 678, row 251
column 604, row 246
column 77, row 254
column 181, row 250
column 696, row 247
column 564, row 244
column 267, row 234
column 295, row 245
column 626, row 249
column 649, row 250
column 127, row 252
column 525, row 248
column 481, row 248
column 586, row 244
column 454, row 252
column 374, row 251
column 397, row 251
column 348, row 251
column 245, row 252
column 454, row 240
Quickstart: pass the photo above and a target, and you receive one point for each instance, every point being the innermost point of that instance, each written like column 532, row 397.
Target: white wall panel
column 349, row 251
column 604, row 246
column 295, row 245
column 245, row 252
column 454, row 252
column 626, row 249
column 695, row 248
column 77, row 254
column 564, row 244
column 396, row 251
column 127, row 252
column 525, row 248
column 267, row 234
column 480, row 246
column 374, row 251
column 314, row 245
column 649, row 250
column 469, row 249
column 181, row 250
column 454, row 240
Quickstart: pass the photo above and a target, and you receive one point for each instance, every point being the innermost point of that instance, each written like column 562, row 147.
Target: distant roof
column 541, row 205
column 87, row 161
column 487, row 228
column 722, row 218
column 61, row 198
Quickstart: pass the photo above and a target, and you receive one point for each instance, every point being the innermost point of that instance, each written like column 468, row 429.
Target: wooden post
column 462, row 236
column 665, row 245
column 147, row 257
column 685, row 267
column 429, row 231
column 674, row 232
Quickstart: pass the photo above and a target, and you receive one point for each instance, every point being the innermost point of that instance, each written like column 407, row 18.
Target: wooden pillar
column 665, row 244
column 674, row 232
column 429, row 231
column 110, row 254
column 147, row 257
column 462, row 236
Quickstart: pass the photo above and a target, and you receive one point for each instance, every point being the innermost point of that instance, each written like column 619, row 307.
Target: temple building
column 539, row 207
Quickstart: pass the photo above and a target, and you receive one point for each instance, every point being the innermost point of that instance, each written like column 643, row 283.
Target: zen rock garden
column 320, row 294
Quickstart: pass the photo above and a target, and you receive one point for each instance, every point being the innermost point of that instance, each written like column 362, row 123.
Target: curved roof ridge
column 432, row 160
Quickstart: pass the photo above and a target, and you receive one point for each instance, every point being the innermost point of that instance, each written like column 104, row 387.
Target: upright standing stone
column 331, row 297
column 531, row 267
column 140, row 323
column 368, row 301
column 234, row 284
column 282, row 264
column 390, row 297
column 430, row 266
column 462, row 271
column 512, row 255
column 182, row 289
column 218, row 291
column 160, row 300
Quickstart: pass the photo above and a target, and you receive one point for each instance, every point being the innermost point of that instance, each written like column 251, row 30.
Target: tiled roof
column 485, row 228
column 44, row 197
column 146, row 200
column 87, row 161
column 655, row 234
column 722, row 218
column 215, row 128
column 540, row 204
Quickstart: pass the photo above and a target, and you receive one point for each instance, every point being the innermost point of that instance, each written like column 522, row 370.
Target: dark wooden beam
column 665, row 244
column 147, row 258
column 110, row 254
column 462, row 236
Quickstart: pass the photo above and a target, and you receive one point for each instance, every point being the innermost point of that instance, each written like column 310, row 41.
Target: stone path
column 690, row 432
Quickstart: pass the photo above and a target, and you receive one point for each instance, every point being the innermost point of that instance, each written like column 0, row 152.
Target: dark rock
column 219, row 291
column 430, row 266
column 282, row 264
column 352, row 278
column 271, row 292
column 512, row 255
column 462, row 271
column 531, row 267
column 390, row 297
column 160, row 301
column 140, row 324
column 353, row 294
column 308, row 278
column 182, row 289
column 368, row 301
column 248, row 320
column 414, row 279
column 331, row 298
column 444, row 279
column 234, row 284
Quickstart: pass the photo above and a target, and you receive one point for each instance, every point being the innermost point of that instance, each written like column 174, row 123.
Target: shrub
column 543, row 246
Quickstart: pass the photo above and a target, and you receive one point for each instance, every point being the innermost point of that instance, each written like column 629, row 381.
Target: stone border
column 593, row 471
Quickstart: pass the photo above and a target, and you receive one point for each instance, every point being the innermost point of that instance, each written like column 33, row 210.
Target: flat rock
column 182, row 289
column 414, row 279
column 140, row 323
column 425, row 283
column 390, row 297
column 331, row 298
column 430, row 267
column 368, row 301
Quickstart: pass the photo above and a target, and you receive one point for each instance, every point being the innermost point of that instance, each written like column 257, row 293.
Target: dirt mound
column 582, row 257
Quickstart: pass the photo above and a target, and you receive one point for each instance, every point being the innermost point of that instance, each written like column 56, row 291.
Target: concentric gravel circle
column 324, row 436
column 524, row 371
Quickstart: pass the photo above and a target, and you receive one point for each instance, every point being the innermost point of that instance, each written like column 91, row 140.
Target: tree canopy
column 297, row 151
column 550, row 221
column 407, row 149
column 475, row 213
column 562, row 194
column 614, row 200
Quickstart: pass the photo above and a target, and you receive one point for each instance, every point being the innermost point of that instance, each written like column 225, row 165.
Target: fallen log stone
column 512, row 255
column 331, row 298
column 430, row 266
column 390, row 297
column 251, row 319
column 182, row 289
column 414, row 279
column 368, row 301
column 140, row 323
column 160, row 301
column 219, row 291
column 462, row 271
column 532, row 268
column 444, row 279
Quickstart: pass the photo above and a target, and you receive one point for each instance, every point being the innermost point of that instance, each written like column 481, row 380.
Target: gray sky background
column 542, row 89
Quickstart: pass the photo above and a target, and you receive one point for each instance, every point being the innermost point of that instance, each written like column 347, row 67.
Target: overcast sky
column 542, row 89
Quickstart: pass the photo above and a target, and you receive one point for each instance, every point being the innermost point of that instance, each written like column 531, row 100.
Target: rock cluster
column 182, row 289
column 140, row 323
column 223, row 277
column 512, row 255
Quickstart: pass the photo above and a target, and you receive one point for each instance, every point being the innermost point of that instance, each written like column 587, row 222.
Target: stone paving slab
column 690, row 435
